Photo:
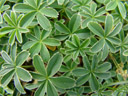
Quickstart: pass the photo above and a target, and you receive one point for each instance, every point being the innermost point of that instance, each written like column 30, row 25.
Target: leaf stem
column 116, row 63
column 28, row 66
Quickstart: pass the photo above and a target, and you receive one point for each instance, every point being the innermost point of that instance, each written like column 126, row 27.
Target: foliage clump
column 63, row 47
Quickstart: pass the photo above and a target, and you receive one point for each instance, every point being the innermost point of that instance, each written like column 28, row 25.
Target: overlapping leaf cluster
column 63, row 47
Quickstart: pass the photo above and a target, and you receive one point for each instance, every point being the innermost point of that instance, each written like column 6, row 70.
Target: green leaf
column 18, row 84
column 111, row 5
column 5, row 7
column 12, row 37
column 27, row 19
column 7, row 78
column 67, row 82
column 104, row 67
column 82, row 80
column 116, row 30
column 44, row 53
column 62, row 28
column 2, row 3
column 93, row 7
column 44, row 22
column 50, row 2
column 98, row 46
column 21, row 58
column 76, row 40
column 60, row 2
column 50, row 12
column 85, row 22
column 94, row 84
column 94, row 62
column 54, row 64
column 114, row 40
column 105, row 52
column 6, row 57
column 35, row 49
column 125, row 53
column 96, row 28
column 37, row 32
column 100, row 11
column 51, row 42
column 70, row 44
column 4, row 71
column 13, row 51
column 8, row 19
column 1, row 19
column 85, row 43
column 25, row 76
column 41, row 90
column 32, row 37
column 75, row 54
column 6, row 30
column 111, row 46
column 75, row 22
column 39, row 65
column 23, row 30
column 19, row 36
column 122, row 9
column 51, row 90
column 80, row 71
column 104, row 75
column 28, row 45
column 86, row 62
column 32, row 3
column 21, row 7
column 13, row 16
column 108, row 24
column 38, row 76
column 45, row 34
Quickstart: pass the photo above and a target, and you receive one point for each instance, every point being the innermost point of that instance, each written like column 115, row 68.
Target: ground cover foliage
column 63, row 48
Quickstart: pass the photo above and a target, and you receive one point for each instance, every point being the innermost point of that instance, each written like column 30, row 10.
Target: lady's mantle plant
column 12, row 68
column 63, row 47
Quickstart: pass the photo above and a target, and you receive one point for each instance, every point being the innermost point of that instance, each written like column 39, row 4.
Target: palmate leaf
column 46, row 75
column 13, row 27
column 13, row 69
column 75, row 47
column 38, row 43
column 36, row 10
